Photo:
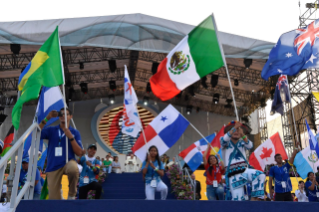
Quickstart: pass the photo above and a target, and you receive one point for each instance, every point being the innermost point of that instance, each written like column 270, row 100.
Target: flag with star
column 295, row 51
column 281, row 95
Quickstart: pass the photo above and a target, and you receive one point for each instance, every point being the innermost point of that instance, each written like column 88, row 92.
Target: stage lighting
column 146, row 100
column 81, row 65
column 189, row 109
column 228, row 105
column 84, row 87
column 15, row 48
column 112, row 65
column 154, row 67
column 248, row 62
column 216, row 98
column 191, row 90
column 148, row 88
column 71, row 93
column 112, row 98
column 236, row 82
column 178, row 96
column 214, row 80
column 112, row 84
column 203, row 82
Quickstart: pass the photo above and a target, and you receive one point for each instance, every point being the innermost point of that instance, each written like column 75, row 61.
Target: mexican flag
column 7, row 141
column 197, row 55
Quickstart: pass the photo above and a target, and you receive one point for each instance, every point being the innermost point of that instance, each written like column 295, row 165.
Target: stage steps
column 128, row 186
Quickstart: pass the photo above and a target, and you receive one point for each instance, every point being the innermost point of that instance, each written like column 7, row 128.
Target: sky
column 264, row 20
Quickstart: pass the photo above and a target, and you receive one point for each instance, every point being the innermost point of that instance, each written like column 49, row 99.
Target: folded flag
column 193, row 155
column 45, row 69
column 50, row 99
column 281, row 95
column 197, row 55
column 312, row 140
column 295, row 50
column 265, row 153
column 306, row 161
column 131, row 124
column 7, row 141
column 215, row 143
column 163, row 132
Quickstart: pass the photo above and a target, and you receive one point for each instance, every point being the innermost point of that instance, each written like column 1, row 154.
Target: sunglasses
column 62, row 114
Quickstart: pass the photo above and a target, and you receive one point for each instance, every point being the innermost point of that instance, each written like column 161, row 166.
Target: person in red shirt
column 214, row 172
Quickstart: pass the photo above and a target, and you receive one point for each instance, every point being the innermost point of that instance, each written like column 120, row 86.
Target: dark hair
column 301, row 181
column 157, row 156
column 276, row 155
column 309, row 175
column 210, row 168
column 70, row 112
column 272, row 187
column 116, row 157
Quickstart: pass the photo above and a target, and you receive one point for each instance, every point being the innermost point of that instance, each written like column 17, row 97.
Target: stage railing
column 16, row 152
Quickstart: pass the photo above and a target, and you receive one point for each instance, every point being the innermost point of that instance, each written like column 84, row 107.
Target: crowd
column 231, row 179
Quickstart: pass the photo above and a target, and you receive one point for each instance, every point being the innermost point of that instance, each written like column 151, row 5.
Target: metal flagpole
column 225, row 64
column 65, row 114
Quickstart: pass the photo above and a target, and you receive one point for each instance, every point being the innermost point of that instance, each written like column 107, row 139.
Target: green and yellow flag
column 45, row 190
column 45, row 69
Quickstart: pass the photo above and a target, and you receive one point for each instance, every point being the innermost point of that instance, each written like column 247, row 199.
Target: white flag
column 131, row 124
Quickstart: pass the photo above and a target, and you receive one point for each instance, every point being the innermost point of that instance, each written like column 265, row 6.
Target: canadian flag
column 264, row 154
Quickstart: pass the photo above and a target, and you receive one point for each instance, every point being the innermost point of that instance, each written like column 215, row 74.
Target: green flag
column 45, row 69
column 45, row 190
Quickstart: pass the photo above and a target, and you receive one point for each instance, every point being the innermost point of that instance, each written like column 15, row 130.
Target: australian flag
column 294, row 51
column 281, row 95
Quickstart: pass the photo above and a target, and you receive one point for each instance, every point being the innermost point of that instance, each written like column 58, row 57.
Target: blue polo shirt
column 23, row 179
column 151, row 174
column 56, row 138
column 281, row 174
column 312, row 194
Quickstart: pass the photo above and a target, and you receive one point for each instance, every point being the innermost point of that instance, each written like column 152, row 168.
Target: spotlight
column 81, row 65
column 112, row 65
column 148, row 88
column 191, row 90
column 214, row 80
column 229, row 101
column 236, row 82
column 71, row 93
column 248, row 62
column 145, row 100
column 216, row 98
column 84, row 87
column 112, row 98
column 112, row 85
column 203, row 82
column 15, row 48
column 178, row 96
column 189, row 109
column 154, row 67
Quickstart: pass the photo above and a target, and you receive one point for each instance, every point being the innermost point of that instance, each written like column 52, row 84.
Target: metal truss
column 262, row 124
column 286, row 129
column 306, row 18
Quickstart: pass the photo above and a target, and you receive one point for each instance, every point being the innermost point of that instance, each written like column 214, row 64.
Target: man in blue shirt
column 91, row 169
column 280, row 174
column 56, row 156
column 23, row 179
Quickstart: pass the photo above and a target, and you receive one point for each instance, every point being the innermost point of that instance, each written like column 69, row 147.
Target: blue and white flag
column 312, row 140
column 306, row 161
column 50, row 99
column 294, row 51
column 281, row 95
column 131, row 124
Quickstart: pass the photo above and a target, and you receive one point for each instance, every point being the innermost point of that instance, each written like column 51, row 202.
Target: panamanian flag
column 163, row 132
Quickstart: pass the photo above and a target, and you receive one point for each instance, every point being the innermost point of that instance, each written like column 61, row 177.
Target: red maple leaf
column 266, row 153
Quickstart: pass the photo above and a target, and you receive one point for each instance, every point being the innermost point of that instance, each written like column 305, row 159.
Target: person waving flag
column 45, row 69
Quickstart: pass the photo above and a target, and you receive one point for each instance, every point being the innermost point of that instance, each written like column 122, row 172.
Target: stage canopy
column 95, row 50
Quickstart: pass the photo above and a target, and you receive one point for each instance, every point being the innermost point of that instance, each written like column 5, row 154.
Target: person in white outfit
column 131, row 163
column 301, row 193
column 153, row 170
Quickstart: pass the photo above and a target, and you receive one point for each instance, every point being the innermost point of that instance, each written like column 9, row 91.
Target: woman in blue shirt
column 312, row 187
column 153, row 170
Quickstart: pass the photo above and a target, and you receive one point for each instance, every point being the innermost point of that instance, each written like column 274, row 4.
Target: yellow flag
column 316, row 94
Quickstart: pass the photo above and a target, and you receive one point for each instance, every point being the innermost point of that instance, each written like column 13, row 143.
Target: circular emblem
column 313, row 157
column 179, row 63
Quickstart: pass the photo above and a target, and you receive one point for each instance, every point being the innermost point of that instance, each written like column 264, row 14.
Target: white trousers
column 150, row 191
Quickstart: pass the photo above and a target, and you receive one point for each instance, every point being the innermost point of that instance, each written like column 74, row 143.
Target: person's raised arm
column 52, row 114
column 292, row 158
column 77, row 149
column 221, row 162
column 146, row 165
column 205, row 156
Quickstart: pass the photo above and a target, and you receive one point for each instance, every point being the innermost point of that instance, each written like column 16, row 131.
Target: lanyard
column 215, row 172
column 282, row 177
column 60, row 137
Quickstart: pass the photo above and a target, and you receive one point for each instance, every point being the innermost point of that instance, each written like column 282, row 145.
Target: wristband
column 156, row 169
column 45, row 119
column 244, row 137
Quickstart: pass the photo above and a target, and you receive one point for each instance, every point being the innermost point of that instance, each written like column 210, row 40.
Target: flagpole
column 65, row 114
column 293, row 115
column 225, row 64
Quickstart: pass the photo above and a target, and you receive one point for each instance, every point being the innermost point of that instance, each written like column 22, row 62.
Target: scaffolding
column 262, row 124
